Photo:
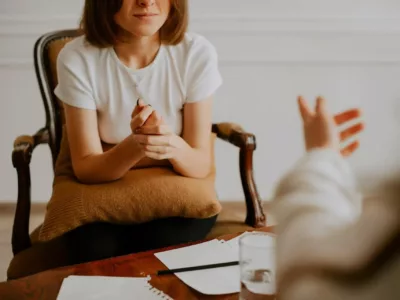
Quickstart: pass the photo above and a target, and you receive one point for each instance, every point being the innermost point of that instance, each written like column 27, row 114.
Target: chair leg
column 255, row 213
column 20, row 232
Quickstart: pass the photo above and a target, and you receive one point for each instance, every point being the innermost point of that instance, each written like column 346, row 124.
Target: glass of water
column 257, row 266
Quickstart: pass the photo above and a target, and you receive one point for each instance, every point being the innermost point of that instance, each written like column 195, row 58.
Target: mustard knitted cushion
column 140, row 196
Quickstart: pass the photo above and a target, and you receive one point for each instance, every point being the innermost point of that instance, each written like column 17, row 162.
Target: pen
column 195, row 268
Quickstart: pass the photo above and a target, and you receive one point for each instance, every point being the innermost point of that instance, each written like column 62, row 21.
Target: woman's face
column 142, row 17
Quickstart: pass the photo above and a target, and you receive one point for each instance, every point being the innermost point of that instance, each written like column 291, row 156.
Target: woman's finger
column 141, row 117
column 155, row 119
column 154, row 129
column 138, row 107
column 153, row 140
column 347, row 116
column 157, row 156
column 348, row 150
column 157, row 149
column 353, row 130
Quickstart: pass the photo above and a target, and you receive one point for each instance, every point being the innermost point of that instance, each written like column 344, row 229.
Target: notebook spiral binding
column 159, row 293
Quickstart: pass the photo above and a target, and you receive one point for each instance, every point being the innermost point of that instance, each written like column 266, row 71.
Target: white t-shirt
column 93, row 78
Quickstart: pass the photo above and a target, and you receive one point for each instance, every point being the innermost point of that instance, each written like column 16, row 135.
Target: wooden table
column 46, row 285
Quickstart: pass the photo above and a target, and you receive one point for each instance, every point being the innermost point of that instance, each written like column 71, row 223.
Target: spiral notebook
column 106, row 288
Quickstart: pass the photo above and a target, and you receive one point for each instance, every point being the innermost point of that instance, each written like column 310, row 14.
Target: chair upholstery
column 29, row 255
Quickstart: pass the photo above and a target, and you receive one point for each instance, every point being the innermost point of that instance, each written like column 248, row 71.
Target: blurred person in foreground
column 332, row 243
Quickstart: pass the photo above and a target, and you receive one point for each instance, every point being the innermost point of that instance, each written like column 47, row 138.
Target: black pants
column 103, row 240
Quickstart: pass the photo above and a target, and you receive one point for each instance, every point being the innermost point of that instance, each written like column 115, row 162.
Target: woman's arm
column 75, row 71
column 193, row 158
column 90, row 163
column 203, row 78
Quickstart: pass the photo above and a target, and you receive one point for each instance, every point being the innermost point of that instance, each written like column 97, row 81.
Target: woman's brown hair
column 100, row 29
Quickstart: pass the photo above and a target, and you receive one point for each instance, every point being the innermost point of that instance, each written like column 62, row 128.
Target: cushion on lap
column 140, row 196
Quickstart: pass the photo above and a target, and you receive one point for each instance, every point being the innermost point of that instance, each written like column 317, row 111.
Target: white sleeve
column 73, row 80
column 314, row 205
column 203, row 76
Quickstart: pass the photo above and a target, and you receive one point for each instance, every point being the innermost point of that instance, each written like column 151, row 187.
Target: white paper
column 211, row 281
column 105, row 288
column 217, row 281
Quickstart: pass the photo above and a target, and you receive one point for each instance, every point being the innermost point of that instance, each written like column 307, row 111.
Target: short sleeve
column 73, row 80
column 203, row 75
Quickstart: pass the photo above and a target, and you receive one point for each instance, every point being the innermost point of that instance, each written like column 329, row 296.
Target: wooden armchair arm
column 21, row 158
column 234, row 134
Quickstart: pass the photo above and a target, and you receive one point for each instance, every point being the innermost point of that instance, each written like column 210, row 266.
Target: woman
column 331, row 245
column 138, row 81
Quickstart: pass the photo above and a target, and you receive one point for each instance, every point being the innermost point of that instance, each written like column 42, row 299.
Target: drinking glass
column 257, row 266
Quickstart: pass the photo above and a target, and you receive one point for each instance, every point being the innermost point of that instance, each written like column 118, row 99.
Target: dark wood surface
column 46, row 285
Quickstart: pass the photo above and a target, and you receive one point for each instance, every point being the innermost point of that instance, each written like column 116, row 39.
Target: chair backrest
column 46, row 51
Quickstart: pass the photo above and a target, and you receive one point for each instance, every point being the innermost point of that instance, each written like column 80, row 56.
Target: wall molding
column 264, row 39
column 6, row 63
column 18, row 64
column 34, row 25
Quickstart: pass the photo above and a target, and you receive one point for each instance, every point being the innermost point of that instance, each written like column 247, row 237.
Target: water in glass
column 257, row 267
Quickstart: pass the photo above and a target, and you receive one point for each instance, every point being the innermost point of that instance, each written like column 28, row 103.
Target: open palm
column 321, row 128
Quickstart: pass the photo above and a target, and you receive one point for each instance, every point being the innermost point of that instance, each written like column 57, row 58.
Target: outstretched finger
column 348, row 150
column 347, row 116
column 304, row 108
column 353, row 130
column 320, row 105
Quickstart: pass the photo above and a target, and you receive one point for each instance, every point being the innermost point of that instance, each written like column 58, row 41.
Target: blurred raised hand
column 321, row 127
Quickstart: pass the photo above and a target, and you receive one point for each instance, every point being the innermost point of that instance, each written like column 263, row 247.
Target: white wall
column 270, row 51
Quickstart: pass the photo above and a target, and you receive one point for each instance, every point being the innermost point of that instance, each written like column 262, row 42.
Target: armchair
column 46, row 49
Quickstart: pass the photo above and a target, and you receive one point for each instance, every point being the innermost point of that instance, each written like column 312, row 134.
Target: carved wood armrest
column 236, row 135
column 21, row 158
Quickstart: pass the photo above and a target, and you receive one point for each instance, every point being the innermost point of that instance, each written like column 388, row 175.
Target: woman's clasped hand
column 154, row 137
